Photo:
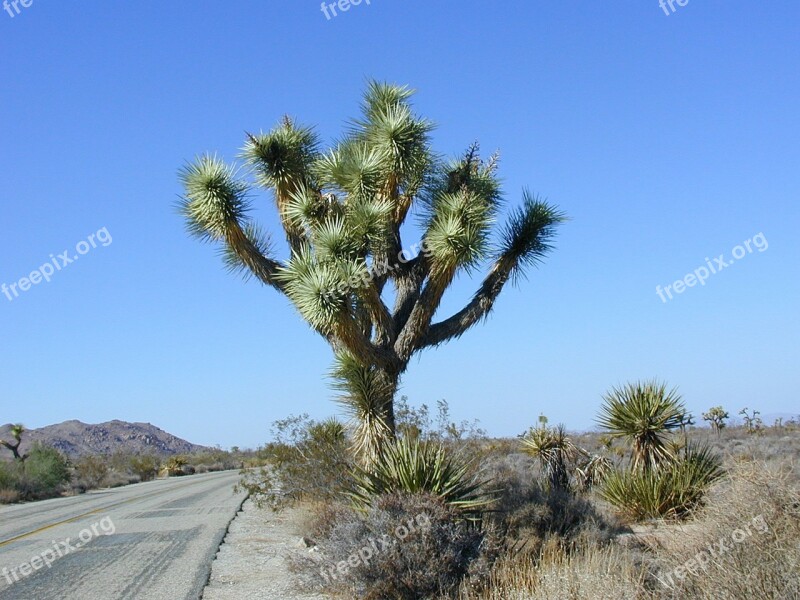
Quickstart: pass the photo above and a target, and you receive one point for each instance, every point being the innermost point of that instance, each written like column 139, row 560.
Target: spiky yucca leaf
column 282, row 158
column 355, row 168
column 593, row 471
column 306, row 209
column 671, row 491
column 415, row 466
column 334, row 240
column 329, row 432
column 379, row 96
column 643, row 412
column 458, row 235
column 318, row 290
column 370, row 223
column 17, row 431
column 401, row 139
column 367, row 398
column 529, row 233
column 468, row 173
column 214, row 199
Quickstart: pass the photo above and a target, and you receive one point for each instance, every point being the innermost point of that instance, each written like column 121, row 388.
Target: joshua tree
column 342, row 212
column 16, row 432
column 752, row 421
column 643, row 412
column 716, row 416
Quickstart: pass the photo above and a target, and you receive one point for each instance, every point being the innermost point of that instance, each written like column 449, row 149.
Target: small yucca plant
column 594, row 470
column 555, row 451
column 671, row 491
column 643, row 412
column 419, row 467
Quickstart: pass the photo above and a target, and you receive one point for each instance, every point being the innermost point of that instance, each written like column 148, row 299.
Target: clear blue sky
column 666, row 138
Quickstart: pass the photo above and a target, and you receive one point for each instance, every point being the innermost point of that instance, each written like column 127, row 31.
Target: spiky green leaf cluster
column 366, row 397
column 643, row 412
column 215, row 199
column 671, row 491
column 529, row 233
column 555, row 451
column 415, row 466
column 283, row 157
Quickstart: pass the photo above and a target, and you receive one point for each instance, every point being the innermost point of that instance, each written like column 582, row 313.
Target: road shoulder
column 254, row 559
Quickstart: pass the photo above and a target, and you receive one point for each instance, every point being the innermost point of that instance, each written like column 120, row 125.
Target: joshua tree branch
column 478, row 308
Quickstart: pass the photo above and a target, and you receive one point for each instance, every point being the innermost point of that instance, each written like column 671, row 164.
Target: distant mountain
column 77, row 439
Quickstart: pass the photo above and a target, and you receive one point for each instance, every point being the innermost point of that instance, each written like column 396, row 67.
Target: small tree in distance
column 751, row 419
column 16, row 432
column 716, row 416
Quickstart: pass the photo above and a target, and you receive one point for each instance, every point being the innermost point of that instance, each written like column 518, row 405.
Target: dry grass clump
column 744, row 545
column 593, row 573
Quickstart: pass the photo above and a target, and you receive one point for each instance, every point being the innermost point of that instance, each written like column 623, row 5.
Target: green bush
column 144, row 466
column 42, row 475
column 9, row 481
column 307, row 460
column 91, row 472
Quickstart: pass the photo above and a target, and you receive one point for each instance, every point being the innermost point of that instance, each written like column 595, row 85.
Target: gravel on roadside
column 253, row 560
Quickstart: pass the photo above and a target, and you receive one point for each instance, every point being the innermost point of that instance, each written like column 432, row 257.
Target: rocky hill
column 76, row 439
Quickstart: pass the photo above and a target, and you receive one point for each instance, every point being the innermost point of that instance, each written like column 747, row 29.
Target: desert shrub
column 8, row 496
column 752, row 524
column 307, row 461
column 531, row 515
column 673, row 490
column 174, row 466
column 90, row 472
column 413, row 466
column 43, row 474
column 115, row 479
column 404, row 547
column 9, row 482
column 145, row 466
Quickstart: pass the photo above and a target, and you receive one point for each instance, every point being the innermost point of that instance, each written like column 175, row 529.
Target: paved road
column 148, row 541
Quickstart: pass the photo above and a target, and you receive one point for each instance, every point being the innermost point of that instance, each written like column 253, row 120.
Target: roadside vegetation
column 44, row 472
column 611, row 514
